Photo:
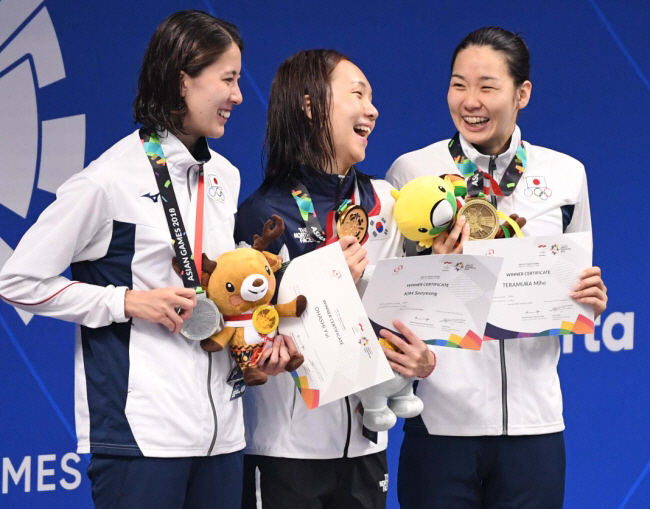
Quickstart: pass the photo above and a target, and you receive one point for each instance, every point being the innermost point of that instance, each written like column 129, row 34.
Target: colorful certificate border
column 471, row 340
column 310, row 396
column 582, row 325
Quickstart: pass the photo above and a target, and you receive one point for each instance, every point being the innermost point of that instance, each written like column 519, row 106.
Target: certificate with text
column 532, row 295
column 443, row 299
column 342, row 353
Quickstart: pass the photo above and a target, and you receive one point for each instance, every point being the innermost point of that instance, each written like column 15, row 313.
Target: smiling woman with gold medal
column 491, row 434
column 319, row 120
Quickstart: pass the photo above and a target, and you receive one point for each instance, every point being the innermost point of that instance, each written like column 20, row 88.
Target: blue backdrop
column 68, row 73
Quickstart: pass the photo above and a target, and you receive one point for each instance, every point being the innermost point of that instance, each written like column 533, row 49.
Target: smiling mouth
column 224, row 113
column 362, row 130
column 476, row 121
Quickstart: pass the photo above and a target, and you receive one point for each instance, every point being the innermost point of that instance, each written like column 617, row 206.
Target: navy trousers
column 341, row 483
column 486, row 472
column 135, row 482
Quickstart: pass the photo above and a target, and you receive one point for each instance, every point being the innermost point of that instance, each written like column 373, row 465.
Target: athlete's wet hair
column 292, row 138
column 186, row 41
column 511, row 45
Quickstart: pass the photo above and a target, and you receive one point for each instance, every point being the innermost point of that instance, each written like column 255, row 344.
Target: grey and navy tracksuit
column 282, row 436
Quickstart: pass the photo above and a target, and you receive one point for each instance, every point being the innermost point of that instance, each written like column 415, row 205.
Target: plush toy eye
column 423, row 230
column 268, row 270
column 230, row 287
column 442, row 189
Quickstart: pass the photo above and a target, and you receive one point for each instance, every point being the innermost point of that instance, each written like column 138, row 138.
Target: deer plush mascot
column 241, row 283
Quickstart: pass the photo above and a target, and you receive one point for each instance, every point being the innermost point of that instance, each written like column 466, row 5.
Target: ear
column 275, row 262
column 306, row 107
column 183, row 83
column 523, row 94
column 394, row 193
column 207, row 268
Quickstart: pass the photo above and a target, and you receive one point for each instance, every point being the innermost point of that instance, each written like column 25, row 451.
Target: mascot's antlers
column 269, row 234
column 207, row 268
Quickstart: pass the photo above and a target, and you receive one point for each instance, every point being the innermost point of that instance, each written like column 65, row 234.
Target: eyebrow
column 359, row 82
column 482, row 78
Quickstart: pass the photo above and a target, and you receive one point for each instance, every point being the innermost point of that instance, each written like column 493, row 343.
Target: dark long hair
column 511, row 45
column 186, row 41
column 292, row 138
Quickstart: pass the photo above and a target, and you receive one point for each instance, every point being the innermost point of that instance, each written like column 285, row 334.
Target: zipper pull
column 493, row 165
column 491, row 168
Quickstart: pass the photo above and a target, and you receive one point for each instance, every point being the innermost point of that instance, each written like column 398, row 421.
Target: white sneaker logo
column 30, row 59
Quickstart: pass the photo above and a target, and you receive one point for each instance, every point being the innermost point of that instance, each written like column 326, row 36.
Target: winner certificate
column 342, row 353
column 443, row 299
column 532, row 295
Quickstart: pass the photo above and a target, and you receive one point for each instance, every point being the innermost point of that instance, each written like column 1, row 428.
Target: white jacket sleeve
column 76, row 227
column 400, row 172
column 581, row 218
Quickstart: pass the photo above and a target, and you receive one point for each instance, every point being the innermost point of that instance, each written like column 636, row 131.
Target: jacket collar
column 179, row 159
column 327, row 184
column 502, row 160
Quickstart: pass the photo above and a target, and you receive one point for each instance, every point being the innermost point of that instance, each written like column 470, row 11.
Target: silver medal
column 205, row 320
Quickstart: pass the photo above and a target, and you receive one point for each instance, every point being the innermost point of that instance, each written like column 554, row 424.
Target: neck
column 189, row 140
column 336, row 168
column 494, row 149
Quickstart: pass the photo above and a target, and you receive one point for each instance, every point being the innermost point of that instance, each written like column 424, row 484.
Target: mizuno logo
column 154, row 197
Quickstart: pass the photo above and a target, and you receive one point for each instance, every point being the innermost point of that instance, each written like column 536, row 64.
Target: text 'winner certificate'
column 443, row 299
column 342, row 353
column 532, row 295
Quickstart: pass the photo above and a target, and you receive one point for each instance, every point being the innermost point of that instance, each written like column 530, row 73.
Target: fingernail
column 576, row 287
column 463, row 218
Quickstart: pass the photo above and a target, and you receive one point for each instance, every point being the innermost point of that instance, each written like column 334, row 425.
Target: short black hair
column 499, row 39
column 186, row 41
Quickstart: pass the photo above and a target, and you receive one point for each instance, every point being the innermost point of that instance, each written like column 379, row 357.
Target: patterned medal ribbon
column 189, row 273
column 308, row 213
column 477, row 185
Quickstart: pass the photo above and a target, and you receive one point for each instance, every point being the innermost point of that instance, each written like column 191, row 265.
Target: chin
column 216, row 133
column 475, row 138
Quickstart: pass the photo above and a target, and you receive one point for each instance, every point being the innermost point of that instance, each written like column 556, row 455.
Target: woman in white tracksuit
column 153, row 409
column 491, row 432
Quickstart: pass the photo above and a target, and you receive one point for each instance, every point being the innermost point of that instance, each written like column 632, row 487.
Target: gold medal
column 353, row 221
column 265, row 319
column 482, row 218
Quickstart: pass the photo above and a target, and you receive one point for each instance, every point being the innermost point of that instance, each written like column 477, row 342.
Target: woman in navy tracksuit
column 320, row 116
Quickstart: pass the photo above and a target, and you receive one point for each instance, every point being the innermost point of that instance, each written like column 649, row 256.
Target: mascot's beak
column 254, row 287
column 442, row 214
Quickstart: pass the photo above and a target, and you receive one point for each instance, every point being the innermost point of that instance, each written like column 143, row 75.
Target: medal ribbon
column 480, row 183
column 190, row 274
column 308, row 212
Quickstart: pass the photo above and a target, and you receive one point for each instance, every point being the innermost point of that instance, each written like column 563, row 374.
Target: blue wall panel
column 591, row 99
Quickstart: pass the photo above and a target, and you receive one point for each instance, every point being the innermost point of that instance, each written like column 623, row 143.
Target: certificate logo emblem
column 459, row 266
